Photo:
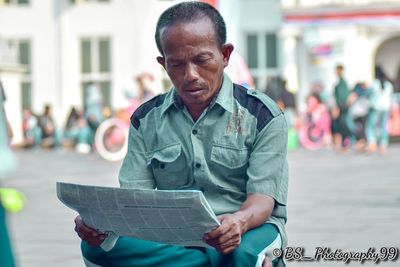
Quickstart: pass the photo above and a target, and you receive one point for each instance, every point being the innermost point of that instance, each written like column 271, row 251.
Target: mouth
column 195, row 91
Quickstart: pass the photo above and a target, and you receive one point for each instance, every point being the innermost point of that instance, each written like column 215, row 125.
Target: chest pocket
column 231, row 158
column 169, row 166
column 231, row 167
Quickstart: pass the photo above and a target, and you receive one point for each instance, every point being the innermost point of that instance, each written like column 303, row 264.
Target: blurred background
column 74, row 70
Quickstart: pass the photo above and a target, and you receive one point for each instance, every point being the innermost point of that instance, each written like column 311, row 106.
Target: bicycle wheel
column 311, row 136
column 111, row 139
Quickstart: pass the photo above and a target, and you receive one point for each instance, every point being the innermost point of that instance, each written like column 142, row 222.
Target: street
column 349, row 202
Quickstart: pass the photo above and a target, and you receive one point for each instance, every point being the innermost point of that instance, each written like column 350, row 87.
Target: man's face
column 339, row 72
column 194, row 61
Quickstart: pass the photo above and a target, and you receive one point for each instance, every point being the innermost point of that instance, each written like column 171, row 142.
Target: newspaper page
column 178, row 217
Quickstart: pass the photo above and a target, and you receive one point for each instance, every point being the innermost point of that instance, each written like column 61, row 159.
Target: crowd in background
column 350, row 117
column 355, row 117
column 80, row 125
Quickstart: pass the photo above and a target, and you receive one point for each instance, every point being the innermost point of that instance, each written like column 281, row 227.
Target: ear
column 226, row 50
column 161, row 61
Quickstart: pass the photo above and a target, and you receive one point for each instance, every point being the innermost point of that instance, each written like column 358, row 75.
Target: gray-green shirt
column 238, row 146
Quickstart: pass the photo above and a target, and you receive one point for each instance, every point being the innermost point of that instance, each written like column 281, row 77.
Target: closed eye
column 201, row 60
column 174, row 63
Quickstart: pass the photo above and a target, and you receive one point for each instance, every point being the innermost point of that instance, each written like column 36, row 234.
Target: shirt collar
column 225, row 94
column 171, row 99
column 224, row 97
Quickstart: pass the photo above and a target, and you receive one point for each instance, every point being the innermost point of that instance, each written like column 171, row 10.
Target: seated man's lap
column 141, row 253
column 255, row 244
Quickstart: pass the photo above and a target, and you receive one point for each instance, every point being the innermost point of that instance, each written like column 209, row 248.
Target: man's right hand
column 90, row 235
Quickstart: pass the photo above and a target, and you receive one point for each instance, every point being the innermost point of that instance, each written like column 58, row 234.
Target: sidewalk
column 348, row 202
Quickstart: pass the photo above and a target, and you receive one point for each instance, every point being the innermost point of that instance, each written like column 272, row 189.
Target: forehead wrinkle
column 194, row 33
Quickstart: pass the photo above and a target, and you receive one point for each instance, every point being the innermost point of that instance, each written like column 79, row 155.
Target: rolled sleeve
column 134, row 172
column 268, row 169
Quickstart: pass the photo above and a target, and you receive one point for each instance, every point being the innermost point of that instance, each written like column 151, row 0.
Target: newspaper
column 178, row 217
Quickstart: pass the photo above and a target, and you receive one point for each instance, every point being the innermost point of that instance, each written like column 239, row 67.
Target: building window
column 14, row 2
column 96, row 67
column 22, row 49
column 262, row 57
column 85, row 1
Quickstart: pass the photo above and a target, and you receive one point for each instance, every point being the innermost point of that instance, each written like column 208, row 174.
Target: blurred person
column 94, row 108
column 48, row 129
column 77, row 132
column 340, row 113
column 274, row 87
column 238, row 71
column 144, row 83
column 315, row 128
column 287, row 102
column 143, row 92
column 7, row 163
column 30, row 128
column 359, row 105
column 380, row 99
column 7, row 123
column 205, row 134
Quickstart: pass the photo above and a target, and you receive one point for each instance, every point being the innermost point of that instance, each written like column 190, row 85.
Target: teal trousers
column 6, row 256
column 131, row 252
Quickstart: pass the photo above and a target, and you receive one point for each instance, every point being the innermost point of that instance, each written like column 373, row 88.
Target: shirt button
column 194, row 132
column 198, row 165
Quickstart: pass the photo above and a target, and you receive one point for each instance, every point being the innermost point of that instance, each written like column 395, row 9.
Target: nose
column 191, row 73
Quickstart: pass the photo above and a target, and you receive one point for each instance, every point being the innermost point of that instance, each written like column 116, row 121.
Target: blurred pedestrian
column 76, row 132
column 48, row 128
column 359, row 105
column 141, row 93
column 94, row 108
column 380, row 99
column 341, row 92
column 7, row 163
column 30, row 128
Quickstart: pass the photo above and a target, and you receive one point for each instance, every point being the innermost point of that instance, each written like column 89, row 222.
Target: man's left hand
column 226, row 238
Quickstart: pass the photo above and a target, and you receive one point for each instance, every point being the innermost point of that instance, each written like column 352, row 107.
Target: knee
column 243, row 253
column 92, row 254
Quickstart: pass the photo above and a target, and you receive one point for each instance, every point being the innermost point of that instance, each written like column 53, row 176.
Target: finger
column 228, row 246
column 228, row 249
column 230, row 237
column 267, row 262
column 86, row 233
column 225, row 239
column 221, row 230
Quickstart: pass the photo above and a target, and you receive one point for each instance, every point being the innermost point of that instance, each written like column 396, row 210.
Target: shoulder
column 143, row 110
column 258, row 104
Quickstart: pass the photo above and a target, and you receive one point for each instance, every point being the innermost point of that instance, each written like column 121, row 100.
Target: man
column 340, row 123
column 206, row 134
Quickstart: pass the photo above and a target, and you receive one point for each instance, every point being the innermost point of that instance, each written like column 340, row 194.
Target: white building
column 65, row 45
column 359, row 34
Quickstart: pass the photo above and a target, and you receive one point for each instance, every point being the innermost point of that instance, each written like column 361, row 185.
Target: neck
column 196, row 111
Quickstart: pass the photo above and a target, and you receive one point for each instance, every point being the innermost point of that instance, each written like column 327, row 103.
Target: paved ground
column 349, row 202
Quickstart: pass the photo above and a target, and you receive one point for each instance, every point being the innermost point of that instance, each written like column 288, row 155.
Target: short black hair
column 189, row 12
column 339, row 67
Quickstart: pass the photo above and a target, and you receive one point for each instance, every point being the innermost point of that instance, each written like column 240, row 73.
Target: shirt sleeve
column 268, row 169
column 135, row 172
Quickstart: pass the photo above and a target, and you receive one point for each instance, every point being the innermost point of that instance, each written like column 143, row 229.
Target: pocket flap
column 229, row 157
column 167, row 154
